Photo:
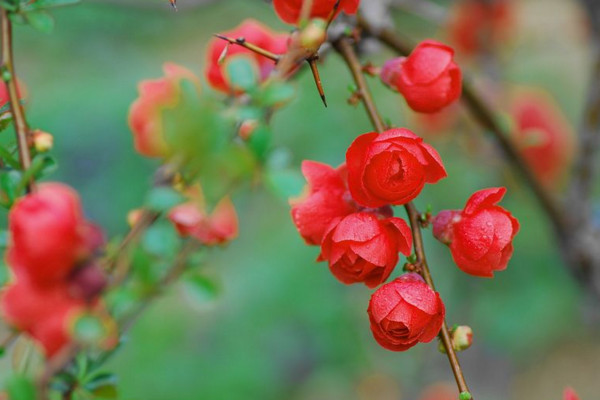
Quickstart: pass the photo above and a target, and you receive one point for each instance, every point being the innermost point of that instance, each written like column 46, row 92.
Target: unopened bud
column 247, row 128
column 314, row 35
column 42, row 141
column 134, row 216
column 462, row 338
column 87, row 282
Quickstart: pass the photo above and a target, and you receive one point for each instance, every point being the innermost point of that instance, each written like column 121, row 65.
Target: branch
column 10, row 77
column 241, row 41
column 346, row 50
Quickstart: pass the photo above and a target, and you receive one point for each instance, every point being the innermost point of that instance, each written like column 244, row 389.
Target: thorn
column 333, row 12
column 315, row 72
column 173, row 4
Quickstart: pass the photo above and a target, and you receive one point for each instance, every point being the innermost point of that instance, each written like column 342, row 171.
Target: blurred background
column 282, row 327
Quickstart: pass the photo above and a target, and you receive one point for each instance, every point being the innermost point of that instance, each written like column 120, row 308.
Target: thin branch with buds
column 344, row 47
column 16, row 108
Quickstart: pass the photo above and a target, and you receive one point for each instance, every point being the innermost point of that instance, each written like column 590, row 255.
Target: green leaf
column 276, row 94
column 89, row 329
column 161, row 240
column 241, row 73
column 20, row 387
column 40, row 20
column 163, row 199
column 200, row 289
column 41, row 4
column 9, row 182
column 260, row 141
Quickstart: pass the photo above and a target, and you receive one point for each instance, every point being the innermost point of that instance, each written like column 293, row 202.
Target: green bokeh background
column 282, row 327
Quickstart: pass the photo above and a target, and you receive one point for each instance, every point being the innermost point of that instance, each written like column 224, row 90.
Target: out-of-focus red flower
column 404, row 312
column 391, row 168
column 476, row 25
column 364, row 248
column 49, row 234
column 289, row 10
column 480, row 236
column 43, row 313
column 192, row 219
column 428, row 78
column 545, row 138
column 570, row 394
column 436, row 125
column 439, row 391
column 145, row 114
column 325, row 199
column 253, row 32
column 4, row 96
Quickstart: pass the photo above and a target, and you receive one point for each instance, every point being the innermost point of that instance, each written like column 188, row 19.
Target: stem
column 241, row 41
column 16, row 108
column 344, row 47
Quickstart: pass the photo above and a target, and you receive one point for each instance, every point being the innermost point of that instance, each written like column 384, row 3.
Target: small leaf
column 241, row 73
column 200, row 288
column 161, row 240
column 276, row 94
column 40, row 20
column 20, row 387
column 163, row 199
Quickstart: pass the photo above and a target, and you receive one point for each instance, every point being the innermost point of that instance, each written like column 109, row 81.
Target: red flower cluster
column 391, row 168
column 145, row 114
column 405, row 312
column 289, row 10
column 191, row 219
column 476, row 25
column 253, row 32
column 360, row 244
column 543, row 135
column 50, row 253
column 428, row 78
column 480, row 236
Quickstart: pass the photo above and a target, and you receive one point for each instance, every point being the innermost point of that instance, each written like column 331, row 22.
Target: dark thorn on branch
column 312, row 62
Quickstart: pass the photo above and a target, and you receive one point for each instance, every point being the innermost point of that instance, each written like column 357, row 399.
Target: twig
column 10, row 77
column 241, row 41
column 344, row 47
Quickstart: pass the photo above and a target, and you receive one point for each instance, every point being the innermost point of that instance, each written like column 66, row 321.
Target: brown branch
column 344, row 47
column 241, row 41
column 10, row 77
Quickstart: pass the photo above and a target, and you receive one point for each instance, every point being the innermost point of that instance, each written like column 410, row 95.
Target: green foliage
column 163, row 198
column 200, row 288
column 20, row 387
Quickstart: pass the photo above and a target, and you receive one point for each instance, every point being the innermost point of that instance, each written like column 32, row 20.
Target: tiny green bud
column 465, row 396
column 6, row 75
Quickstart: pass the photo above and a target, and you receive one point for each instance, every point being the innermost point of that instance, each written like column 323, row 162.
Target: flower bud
column 462, row 338
column 42, row 141
column 314, row 35
column 134, row 216
column 247, row 128
column 87, row 282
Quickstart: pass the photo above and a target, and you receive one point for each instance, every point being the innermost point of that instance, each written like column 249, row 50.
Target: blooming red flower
column 145, row 114
column 192, row 219
column 480, row 236
column 476, row 25
column 49, row 234
column 544, row 137
column 289, row 10
column 428, row 78
column 253, row 32
column 391, row 168
column 364, row 248
column 404, row 312
column 326, row 199
column 570, row 394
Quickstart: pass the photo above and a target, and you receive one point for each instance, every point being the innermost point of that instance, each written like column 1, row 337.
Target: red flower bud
column 326, row 199
column 404, row 312
column 391, row 168
column 49, row 234
column 480, row 236
column 428, row 78
column 475, row 26
column 253, row 32
column 218, row 227
column 544, row 136
column 145, row 114
column 363, row 248
column 570, row 394
column 289, row 10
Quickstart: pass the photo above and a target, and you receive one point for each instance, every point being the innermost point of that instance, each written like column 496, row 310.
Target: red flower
column 476, row 25
column 43, row 313
column 326, row 199
column 253, row 32
column 4, row 95
column 391, row 168
column 289, row 10
column 364, row 248
column 145, row 114
column 439, row 391
column 480, row 236
column 544, row 137
column 404, row 312
column 49, row 234
column 192, row 219
column 428, row 78
column 570, row 394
